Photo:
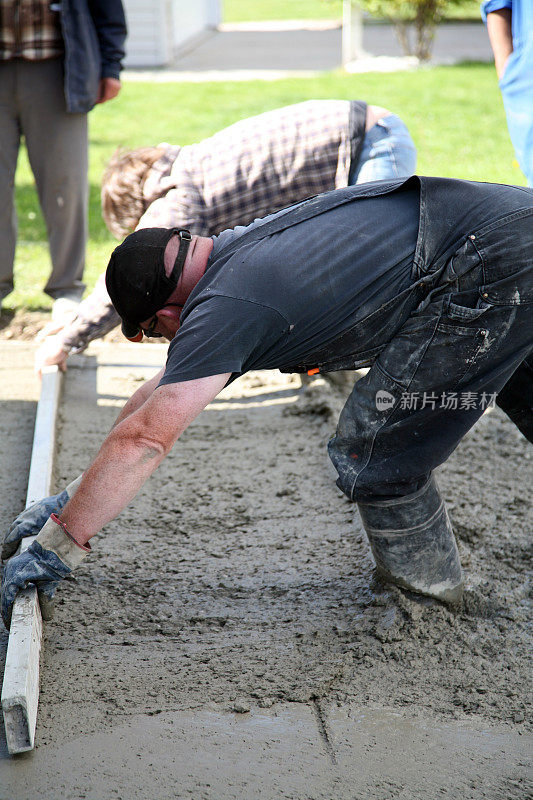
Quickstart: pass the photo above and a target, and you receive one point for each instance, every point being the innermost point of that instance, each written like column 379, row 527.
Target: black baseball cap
column 135, row 277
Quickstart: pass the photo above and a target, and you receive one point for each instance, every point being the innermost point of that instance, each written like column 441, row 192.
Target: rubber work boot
column 413, row 543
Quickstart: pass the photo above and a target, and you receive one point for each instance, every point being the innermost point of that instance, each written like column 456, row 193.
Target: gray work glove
column 48, row 559
column 30, row 521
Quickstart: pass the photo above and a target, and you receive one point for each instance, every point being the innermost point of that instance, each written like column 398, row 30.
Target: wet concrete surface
column 228, row 637
column 278, row 753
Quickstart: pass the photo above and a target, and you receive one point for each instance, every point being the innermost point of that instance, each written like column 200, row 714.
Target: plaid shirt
column 30, row 29
column 252, row 168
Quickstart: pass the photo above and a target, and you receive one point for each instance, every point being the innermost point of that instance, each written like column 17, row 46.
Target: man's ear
column 170, row 312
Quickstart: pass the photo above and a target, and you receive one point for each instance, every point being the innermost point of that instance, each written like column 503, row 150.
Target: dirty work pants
column 469, row 338
column 516, row 397
column 32, row 104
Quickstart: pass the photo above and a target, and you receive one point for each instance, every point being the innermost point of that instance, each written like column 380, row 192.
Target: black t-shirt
column 278, row 301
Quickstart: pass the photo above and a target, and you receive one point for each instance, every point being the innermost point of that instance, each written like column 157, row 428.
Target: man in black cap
column 436, row 299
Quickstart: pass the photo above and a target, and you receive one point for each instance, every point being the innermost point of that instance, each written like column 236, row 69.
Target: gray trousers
column 32, row 104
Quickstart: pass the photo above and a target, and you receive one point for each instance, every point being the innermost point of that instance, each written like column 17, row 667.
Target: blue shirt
column 521, row 18
column 516, row 83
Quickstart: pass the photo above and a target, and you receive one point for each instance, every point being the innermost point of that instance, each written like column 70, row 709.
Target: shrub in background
column 420, row 16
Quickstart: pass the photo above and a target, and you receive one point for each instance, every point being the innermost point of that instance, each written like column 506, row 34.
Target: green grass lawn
column 261, row 10
column 455, row 115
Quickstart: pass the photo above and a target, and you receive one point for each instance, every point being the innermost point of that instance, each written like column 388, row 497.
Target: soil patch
column 23, row 325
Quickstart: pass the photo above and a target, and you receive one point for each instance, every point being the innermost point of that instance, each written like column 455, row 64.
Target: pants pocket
column 459, row 313
column 505, row 248
column 437, row 351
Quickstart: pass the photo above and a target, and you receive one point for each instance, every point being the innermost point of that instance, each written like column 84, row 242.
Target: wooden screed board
column 20, row 689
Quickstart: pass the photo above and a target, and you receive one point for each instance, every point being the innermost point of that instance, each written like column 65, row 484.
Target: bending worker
column 254, row 167
column 427, row 281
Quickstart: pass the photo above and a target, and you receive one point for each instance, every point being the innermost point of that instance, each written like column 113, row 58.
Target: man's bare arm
column 500, row 37
column 139, row 397
column 133, row 450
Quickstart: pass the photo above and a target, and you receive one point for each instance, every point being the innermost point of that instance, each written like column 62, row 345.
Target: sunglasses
column 150, row 330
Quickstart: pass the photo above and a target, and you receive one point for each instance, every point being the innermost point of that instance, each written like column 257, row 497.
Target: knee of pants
column 367, row 454
column 363, row 482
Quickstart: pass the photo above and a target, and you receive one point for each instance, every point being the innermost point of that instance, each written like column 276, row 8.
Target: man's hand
column 50, row 329
column 50, row 558
column 30, row 521
column 49, row 353
column 108, row 88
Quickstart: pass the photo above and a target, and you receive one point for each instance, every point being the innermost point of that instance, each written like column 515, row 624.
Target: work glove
column 30, row 521
column 48, row 559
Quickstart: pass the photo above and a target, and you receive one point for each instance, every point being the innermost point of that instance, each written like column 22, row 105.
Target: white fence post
column 352, row 32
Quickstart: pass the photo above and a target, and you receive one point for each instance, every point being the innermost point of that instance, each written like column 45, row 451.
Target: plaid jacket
column 30, row 29
column 254, row 167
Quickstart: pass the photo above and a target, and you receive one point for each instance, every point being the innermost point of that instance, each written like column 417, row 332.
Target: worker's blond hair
column 123, row 202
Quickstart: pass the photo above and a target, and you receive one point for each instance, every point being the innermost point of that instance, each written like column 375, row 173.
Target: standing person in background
column 510, row 29
column 57, row 60
column 256, row 165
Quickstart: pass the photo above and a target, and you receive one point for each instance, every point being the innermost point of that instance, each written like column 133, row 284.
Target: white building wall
column 158, row 29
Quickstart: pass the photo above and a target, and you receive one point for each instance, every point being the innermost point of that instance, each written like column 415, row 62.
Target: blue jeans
column 388, row 152
column 469, row 338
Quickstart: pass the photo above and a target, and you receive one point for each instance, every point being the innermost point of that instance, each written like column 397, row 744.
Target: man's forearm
column 120, row 469
column 133, row 450
column 500, row 36
column 138, row 398
column 95, row 317
column 110, row 24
